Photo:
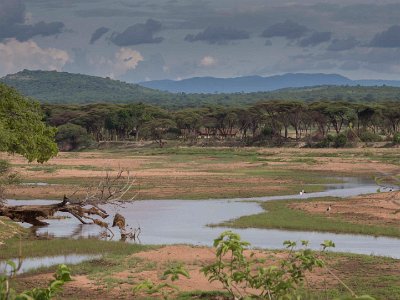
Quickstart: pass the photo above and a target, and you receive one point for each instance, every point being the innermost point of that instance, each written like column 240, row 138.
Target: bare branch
column 110, row 190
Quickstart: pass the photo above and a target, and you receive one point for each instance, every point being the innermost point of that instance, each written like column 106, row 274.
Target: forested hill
column 338, row 93
column 62, row 87
column 67, row 88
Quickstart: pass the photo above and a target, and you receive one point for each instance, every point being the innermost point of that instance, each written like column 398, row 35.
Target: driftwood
column 110, row 190
column 34, row 214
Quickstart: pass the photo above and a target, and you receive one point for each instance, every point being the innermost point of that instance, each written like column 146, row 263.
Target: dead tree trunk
column 110, row 190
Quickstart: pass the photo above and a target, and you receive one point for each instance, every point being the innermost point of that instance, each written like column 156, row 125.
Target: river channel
column 185, row 221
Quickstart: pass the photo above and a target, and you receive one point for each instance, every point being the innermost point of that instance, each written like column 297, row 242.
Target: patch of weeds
column 309, row 161
column 208, row 295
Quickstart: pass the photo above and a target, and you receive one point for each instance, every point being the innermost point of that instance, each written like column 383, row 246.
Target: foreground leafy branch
column 246, row 277
column 61, row 276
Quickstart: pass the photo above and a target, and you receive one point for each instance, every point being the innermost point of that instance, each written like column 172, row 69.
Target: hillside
column 62, row 87
column 338, row 93
column 249, row 84
column 67, row 88
column 246, row 84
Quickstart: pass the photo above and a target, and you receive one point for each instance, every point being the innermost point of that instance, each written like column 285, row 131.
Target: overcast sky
column 138, row 40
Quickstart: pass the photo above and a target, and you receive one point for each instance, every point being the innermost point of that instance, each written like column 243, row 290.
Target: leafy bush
column 236, row 272
column 396, row 138
column 340, row 140
column 165, row 289
column 325, row 142
column 72, row 137
column 62, row 275
column 248, row 278
column 368, row 136
column 267, row 132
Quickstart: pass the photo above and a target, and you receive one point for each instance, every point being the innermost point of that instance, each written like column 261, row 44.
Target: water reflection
column 185, row 221
column 32, row 263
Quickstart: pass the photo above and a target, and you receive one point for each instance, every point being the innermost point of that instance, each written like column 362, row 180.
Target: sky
column 140, row 40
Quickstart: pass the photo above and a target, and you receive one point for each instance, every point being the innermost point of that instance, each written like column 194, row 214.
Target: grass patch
column 38, row 248
column 209, row 295
column 364, row 274
column 8, row 229
column 279, row 215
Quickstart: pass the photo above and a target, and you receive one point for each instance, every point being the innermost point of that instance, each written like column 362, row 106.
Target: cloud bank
column 16, row 55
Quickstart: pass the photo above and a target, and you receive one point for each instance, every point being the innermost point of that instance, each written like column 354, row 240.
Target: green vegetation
column 61, row 276
column 8, row 229
column 21, row 128
column 67, row 88
column 279, row 215
column 72, row 137
column 364, row 274
column 165, row 289
column 37, row 248
column 268, row 123
column 62, row 87
column 272, row 282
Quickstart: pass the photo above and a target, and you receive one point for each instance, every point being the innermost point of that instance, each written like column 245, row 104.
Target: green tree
column 72, row 137
column 157, row 129
column 22, row 130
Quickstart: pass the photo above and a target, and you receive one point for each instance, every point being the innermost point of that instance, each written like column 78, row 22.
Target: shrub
column 61, row 276
column 340, row 140
column 396, row 138
column 72, row 137
column 267, row 132
column 236, row 272
column 368, row 136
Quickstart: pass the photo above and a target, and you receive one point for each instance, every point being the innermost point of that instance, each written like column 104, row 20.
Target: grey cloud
column 12, row 23
column 25, row 32
column 389, row 38
column 138, row 34
column 218, row 35
column 343, row 44
column 350, row 66
column 368, row 13
column 288, row 29
column 268, row 43
column 315, row 39
column 41, row 28
column 99, row 32
column 107, row 13
column 11, row 12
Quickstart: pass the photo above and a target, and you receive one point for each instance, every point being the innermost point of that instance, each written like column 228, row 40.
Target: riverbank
column 374, row 214
column 113, row 277
column 202, row 173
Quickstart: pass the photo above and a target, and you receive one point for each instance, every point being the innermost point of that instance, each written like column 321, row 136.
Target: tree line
column 279, row 121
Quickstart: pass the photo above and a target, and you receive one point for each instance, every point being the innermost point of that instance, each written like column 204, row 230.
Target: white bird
column 329, row 208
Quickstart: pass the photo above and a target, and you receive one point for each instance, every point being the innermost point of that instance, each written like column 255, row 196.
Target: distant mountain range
column 249, row 84
column 68, row 88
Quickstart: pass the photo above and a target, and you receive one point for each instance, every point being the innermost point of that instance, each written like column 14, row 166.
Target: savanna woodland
column 266, row 148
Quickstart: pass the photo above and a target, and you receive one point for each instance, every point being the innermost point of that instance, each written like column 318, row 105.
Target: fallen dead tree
column 111, row 190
